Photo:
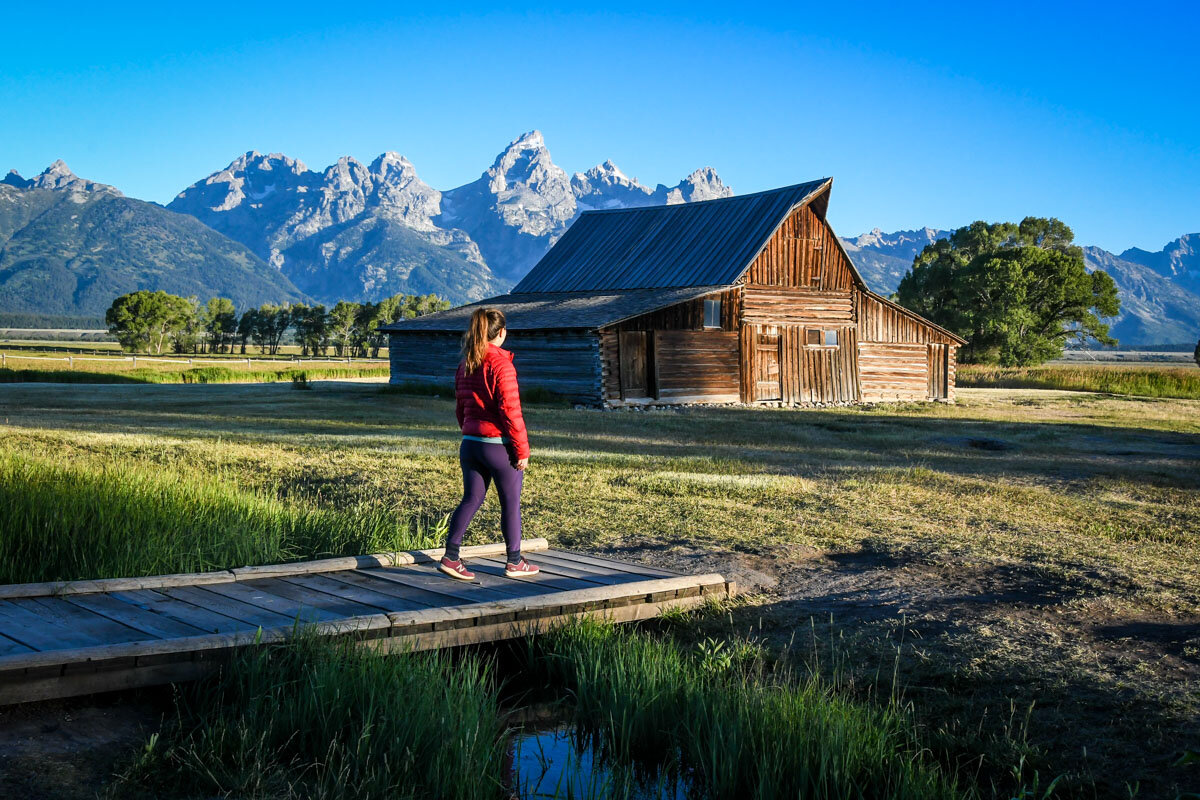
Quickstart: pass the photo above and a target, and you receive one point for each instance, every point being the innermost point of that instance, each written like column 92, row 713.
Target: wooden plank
column 587, row 572
column 112, row 584
column 393, row 595
column 9, row 646
column 640, row 569
column 137, row 617
column 261, row 597
column 55, row 588
column 99, row 656
column 553, row 574
column 309, row 596
column 485, row 588
column 73, row 626
column 206, row 619
column 245, row 612
column 56, row 687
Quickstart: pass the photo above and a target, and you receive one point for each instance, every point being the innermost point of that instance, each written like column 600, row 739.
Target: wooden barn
column 745, row 299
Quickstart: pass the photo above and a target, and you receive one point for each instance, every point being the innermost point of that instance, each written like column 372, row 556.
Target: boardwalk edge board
column 401, row 558
column 80, row 666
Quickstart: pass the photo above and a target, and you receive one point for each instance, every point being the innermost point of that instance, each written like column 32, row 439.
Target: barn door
column 939, row 363
column 635, row 380
column 766, row 366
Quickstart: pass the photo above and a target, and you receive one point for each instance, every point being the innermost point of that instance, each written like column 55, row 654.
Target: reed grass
column 65, row 521
column 1176, row 382
column 317, row 719
column 733, row 727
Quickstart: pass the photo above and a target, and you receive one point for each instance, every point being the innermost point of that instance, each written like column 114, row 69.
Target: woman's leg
column 508, row 485
column 475, row 483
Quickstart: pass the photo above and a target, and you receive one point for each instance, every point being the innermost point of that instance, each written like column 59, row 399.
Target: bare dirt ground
column 68, row 749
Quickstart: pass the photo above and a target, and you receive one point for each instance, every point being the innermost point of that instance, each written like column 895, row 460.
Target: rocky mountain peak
column 59, row 176
column 703, row 184
column 13, row 178
column 1179, row 260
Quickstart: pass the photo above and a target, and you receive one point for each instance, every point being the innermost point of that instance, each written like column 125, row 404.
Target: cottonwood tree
column 270, row 323
column 312, row 328
column 246, row 327
column 220, row 321
column 145, row 321
column 341, row 327
column 1017, row 293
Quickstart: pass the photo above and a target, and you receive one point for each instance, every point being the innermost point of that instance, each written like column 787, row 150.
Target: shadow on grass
column 727, row 440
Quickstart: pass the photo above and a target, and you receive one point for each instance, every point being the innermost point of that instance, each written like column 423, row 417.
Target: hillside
column 69, row 246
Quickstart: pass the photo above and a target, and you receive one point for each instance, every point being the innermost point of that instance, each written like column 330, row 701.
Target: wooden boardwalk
column 80, row 637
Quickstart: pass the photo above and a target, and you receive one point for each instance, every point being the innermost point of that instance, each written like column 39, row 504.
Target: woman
column 495, row 447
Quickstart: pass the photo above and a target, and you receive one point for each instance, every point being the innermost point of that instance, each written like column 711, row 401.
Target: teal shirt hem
column 486, row 439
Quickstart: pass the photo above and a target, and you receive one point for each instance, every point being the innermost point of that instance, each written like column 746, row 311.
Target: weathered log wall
column 696, row 366
column 893, row 370
column 565, row 362
column 802, row 253
column 882, row 321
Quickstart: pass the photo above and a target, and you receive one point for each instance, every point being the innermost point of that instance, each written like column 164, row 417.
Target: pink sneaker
column 522, row 569
column 456, row 569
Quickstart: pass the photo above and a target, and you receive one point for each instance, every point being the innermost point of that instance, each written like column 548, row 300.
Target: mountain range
column 69, row 246
column 266, row 228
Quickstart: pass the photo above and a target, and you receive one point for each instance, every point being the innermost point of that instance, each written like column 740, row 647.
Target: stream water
column 555, row 762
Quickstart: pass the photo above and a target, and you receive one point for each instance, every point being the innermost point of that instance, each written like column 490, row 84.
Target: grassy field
column 27, row 366
column 1020, row 569
column 1166, row 379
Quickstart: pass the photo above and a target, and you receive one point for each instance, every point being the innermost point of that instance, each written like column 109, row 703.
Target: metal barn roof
column 707, row 243
column 539, row 311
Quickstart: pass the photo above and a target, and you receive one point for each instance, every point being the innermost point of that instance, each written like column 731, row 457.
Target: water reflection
column 557, row 762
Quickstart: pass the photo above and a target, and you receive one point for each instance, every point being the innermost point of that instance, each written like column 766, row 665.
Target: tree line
column 157, row 322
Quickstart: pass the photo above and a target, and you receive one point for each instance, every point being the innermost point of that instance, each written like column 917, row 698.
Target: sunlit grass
column 1149, row 381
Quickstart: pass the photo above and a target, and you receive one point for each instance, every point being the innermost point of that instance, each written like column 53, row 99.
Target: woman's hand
column 521, row 463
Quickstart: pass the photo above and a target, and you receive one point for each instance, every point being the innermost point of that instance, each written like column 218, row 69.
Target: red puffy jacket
column 488, row 401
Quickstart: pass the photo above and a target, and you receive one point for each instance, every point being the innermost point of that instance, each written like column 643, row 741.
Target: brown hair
column 485, row 325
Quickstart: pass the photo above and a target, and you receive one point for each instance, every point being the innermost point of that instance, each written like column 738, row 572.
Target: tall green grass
column 211, row 374
column 60, row 521
column 732, row 727
column 315, row 719
column 1180, row 382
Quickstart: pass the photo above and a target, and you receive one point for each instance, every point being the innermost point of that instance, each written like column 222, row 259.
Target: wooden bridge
column 79, row 637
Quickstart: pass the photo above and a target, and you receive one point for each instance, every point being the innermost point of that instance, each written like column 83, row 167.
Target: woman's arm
column 509, row 396
column 460, row 406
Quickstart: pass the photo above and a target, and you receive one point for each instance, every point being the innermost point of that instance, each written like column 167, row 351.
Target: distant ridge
column 69, row 246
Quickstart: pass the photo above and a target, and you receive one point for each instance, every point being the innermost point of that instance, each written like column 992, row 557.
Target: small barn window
column 812, row 337
column 831, row 338
column 712, row 313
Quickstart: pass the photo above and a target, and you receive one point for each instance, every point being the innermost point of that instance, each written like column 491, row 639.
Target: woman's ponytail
column 485, row 325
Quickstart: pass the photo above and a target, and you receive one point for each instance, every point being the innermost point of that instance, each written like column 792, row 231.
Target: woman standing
column 494, row 446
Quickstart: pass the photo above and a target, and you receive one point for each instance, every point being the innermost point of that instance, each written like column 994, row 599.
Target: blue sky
column 935, row 115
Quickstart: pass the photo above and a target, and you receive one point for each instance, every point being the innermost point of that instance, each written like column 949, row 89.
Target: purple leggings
column 483, row 462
